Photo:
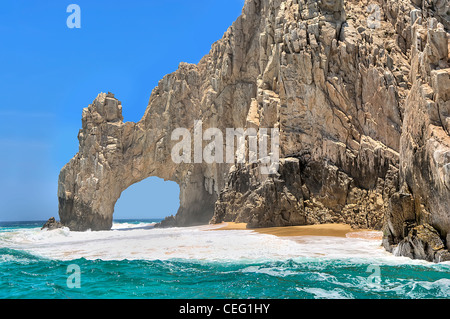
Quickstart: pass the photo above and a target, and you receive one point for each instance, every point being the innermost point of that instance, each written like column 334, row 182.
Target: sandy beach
column 333, row 230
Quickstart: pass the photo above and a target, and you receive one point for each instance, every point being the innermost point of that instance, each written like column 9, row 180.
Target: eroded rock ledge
column 360, row 93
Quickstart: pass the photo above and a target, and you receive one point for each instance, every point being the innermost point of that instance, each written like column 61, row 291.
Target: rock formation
column 52, row 224
column 360, row 93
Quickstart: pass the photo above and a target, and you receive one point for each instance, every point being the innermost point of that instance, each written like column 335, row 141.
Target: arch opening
column 151, row 199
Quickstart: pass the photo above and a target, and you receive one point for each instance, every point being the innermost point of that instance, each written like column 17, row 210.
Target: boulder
column 423, row 242
column 51, row 224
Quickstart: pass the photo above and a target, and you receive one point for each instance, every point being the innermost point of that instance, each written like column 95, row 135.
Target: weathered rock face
column 425, row 142
column 262, row 201
column 360, row 94
column 423, row 242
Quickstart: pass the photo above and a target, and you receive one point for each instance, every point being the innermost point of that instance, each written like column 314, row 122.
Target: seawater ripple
column 27, row 272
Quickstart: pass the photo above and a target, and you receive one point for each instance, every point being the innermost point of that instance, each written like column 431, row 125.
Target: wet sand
column 334, row 230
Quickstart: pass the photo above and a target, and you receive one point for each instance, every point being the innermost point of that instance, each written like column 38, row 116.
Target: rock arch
column 363, row 116
column 114, row 155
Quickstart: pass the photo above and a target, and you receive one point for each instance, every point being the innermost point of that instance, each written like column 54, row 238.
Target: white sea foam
column 416, row 289
column 142, row 241
column 271, row 271
column 320, row 293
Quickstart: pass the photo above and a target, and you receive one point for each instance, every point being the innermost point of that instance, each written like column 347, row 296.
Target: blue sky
column 49, row 73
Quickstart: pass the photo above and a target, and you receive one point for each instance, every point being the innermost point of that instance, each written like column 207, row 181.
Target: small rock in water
column 52, row 224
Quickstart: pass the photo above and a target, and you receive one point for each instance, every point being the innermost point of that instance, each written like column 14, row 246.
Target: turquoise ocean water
column 134, row 260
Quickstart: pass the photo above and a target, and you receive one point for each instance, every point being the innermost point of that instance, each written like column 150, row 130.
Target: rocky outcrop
column 423, row 242
column 262, row 201
column 425, row 141
column 51, row 224
column 304, row 192
column 115, row 155
column 358, row 91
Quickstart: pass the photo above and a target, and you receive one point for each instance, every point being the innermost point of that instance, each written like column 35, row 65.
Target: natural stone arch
column 363, row 114
column 114, row 155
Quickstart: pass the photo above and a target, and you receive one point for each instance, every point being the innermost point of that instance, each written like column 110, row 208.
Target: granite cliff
column 360, row 94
